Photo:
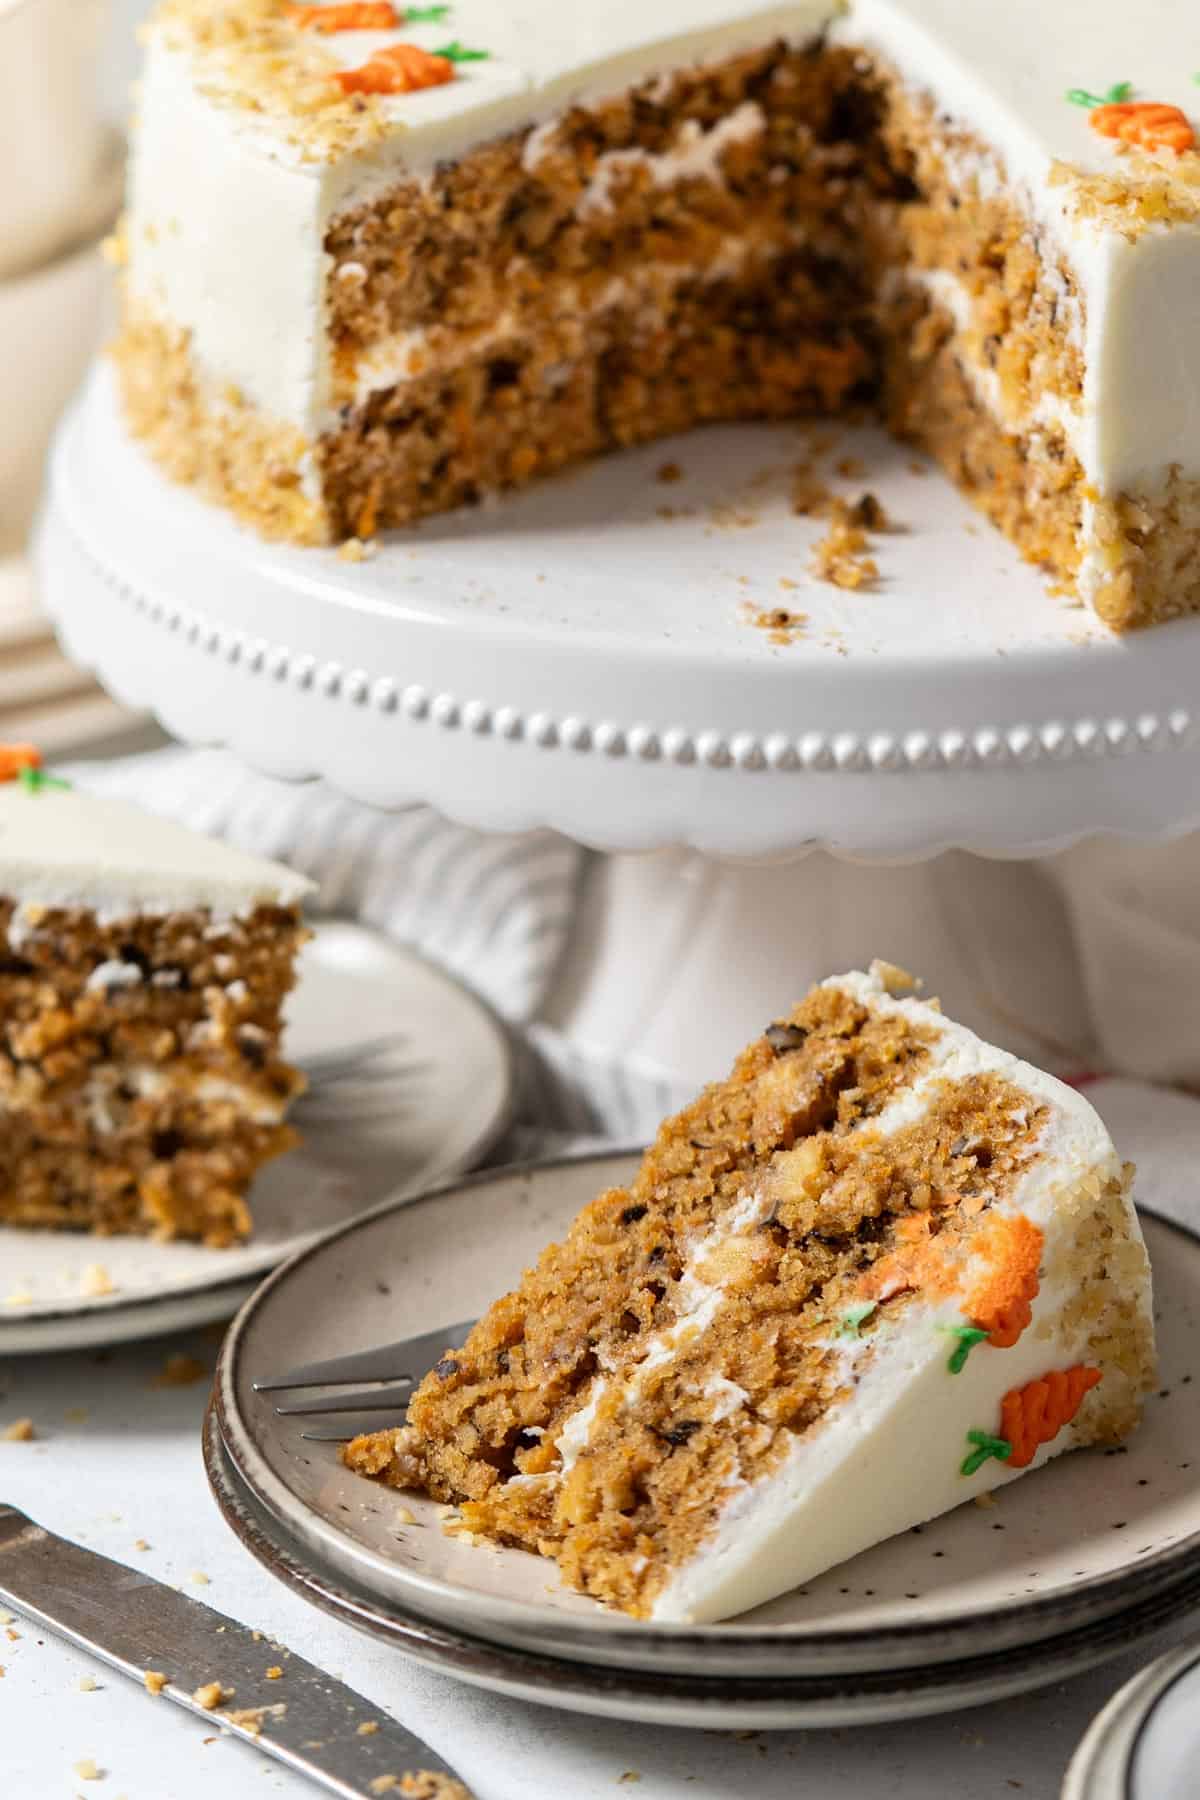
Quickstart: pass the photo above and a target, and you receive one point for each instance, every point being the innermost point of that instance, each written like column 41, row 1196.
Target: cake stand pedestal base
column 678, row 960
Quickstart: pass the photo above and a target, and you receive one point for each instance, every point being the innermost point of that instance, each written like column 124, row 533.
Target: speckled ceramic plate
column 382, row 1132
column 1088, row 1536
column 1145, row 1745
column 687, row 1698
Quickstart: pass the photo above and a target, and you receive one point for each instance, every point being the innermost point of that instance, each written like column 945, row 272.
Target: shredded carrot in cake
column 401, row 69
column 351, row 15
column 1002, row 1303
column 1150, row 124
column 1034, row 1414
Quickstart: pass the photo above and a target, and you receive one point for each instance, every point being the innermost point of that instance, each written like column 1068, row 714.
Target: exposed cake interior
column 142, row 1084
column 770, row 1309
column 143, row 971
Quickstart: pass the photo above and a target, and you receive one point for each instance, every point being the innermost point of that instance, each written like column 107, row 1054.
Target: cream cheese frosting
column 853, row 1480
column 60, row 847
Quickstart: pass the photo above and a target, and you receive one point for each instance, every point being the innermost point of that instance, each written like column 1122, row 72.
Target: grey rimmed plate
column 668, row 1697
column 1145, row 1745
column 1090, row 1536
column 382, row 1129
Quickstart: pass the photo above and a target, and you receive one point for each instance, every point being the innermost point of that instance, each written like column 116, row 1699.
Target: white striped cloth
column 496, row 911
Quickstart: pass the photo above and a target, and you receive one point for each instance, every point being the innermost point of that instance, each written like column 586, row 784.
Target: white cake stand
column 578, row 658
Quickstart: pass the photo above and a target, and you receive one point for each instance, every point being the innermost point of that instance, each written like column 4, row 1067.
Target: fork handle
column 303, row 1718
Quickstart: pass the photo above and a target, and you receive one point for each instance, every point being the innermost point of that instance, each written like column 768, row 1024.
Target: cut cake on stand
column 386, row 260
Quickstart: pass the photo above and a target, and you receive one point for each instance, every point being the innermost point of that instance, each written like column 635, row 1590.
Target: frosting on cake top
column 520, row 61
column 61, row 847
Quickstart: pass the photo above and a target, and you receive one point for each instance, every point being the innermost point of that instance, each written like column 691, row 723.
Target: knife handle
column 283, row 1705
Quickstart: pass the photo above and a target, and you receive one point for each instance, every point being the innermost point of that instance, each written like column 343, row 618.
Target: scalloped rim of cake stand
column 574, row 658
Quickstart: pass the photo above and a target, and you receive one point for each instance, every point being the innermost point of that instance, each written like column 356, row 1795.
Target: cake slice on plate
column 143, row 970
column 878, row 1271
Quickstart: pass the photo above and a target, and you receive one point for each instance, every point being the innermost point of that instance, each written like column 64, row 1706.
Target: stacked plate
column 1083, row 1559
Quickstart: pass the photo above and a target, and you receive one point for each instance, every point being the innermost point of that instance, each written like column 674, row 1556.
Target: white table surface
column 117, row 1459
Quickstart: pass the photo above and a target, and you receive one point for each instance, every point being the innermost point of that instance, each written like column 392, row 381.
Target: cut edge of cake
column 143, row 971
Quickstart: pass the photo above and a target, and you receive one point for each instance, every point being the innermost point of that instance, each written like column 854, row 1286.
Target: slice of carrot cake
column 143, row 970
column 384, row 260
column 880, row 1270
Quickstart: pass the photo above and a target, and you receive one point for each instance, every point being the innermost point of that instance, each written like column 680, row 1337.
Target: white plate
column 572, row 658
column 369, row 1140
column 1089, row 1535
column 1145, row 1745
column 666, row 1697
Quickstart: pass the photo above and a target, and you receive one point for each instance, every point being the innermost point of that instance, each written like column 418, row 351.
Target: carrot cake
column 881, row 1269
column 143, row 970
column 384, row 260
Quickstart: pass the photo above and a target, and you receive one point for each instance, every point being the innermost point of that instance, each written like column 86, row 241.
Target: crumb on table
column 180, row 1370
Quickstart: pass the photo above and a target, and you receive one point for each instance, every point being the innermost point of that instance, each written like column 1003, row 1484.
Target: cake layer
column 141, row 1081
column 715, row 1388
column 785, row 334
column 64, row 848
column 175, row 1184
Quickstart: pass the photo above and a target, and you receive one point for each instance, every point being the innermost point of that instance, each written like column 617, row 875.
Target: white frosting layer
column 407, row 355
column 854, row 1479
column 228, row 219
column 62, row 847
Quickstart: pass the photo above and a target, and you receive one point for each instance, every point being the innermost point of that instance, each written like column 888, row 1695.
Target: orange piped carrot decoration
column 919, row 1260
column 401, row 69
column 16, row 757
column 352, row 15
column 1150, row 124
column 1032, row 1415
column 1002, row 1303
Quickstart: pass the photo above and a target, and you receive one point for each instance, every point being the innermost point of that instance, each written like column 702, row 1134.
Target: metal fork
column 349, row 1081
column 352, row 1061
column 395, row 1369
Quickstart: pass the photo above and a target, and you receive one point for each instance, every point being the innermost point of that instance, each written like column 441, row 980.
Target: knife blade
column 314, row 1724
